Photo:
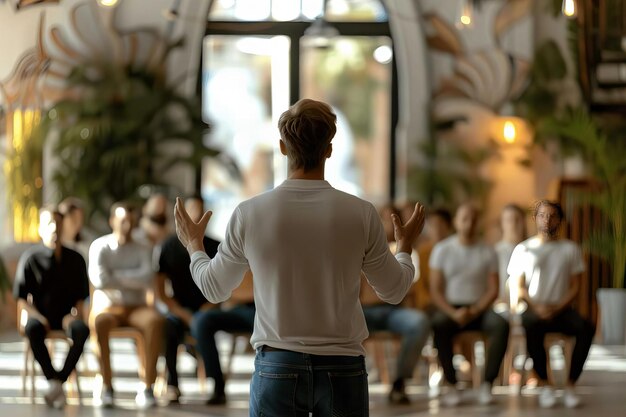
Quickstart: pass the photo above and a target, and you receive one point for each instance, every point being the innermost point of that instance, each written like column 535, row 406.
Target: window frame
column 294, row 30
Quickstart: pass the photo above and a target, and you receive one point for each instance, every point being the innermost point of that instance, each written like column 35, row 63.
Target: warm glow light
column 108, row 3
column 569, row 8
column 464, row 17
column 509, row 132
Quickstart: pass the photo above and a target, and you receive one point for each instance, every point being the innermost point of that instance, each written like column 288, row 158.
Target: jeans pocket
column 276, row 394
column 349, row 393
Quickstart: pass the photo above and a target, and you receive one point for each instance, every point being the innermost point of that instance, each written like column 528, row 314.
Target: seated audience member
column 437, row 227
column 50, row 286
column 121, row 273
column 464, row 284
column 75, row 236
column 154, row 224
column 548, row 270
column 236, row 315
column 513, row 227
column 186, row 304
column 411, row 324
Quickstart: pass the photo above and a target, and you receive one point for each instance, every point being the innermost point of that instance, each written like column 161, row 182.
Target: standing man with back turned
column 306, row 244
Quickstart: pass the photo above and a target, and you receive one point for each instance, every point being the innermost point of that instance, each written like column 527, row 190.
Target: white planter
column 612, row 307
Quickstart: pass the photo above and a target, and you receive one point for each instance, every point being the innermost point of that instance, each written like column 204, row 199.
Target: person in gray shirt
column 122, row 275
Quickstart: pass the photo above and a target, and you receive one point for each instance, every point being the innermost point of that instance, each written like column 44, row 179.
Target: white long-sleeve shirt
column 306, row 244
column 121, row 275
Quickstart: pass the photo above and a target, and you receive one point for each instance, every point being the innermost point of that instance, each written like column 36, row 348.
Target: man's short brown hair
column 307, row 128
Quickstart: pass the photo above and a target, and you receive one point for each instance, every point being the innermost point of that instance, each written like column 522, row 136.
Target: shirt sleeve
column 218, row 277
column 436, row 257
column 493, row 261
column 391, row 277
column 516, row 262
column 82, row 291
column 24, row 279
column 100, row 273
column 578, row 263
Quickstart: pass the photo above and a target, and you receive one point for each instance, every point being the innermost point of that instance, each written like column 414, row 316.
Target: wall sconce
column 108, row 3
column 569, row 9
column 510, row 130
column 465, row 14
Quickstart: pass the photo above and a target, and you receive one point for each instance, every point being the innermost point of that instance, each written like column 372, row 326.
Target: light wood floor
column 602, row 387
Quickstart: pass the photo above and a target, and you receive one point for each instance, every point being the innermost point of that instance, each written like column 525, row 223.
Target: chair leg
column 25, row 368
column 32, row 377
column 201, row 373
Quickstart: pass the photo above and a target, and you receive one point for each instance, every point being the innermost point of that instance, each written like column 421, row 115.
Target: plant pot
column 612, row 307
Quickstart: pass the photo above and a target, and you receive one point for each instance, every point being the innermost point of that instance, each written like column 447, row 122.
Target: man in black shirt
column 50, row 286
column 186, row 303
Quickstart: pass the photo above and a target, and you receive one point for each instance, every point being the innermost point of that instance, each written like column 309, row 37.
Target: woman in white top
column 306, row 244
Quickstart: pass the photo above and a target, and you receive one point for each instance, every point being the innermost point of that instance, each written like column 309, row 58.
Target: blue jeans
column 292, row 384
column 412, row 325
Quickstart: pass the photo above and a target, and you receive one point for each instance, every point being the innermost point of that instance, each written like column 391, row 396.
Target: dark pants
column 295, row 384
column 203, row 328
column 493, row 325
column 568, row 322
column 36, row 334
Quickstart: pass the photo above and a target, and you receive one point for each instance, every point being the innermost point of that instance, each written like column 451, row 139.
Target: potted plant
column 603, row 149
column 111, row 137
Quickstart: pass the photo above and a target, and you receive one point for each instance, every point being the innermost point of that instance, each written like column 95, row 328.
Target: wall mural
column 471, row 101
column 482, row 81
column 103, row 92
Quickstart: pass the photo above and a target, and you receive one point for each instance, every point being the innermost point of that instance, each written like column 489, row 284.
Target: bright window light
column 285, row 10
column 312, row 8
column 383, row 54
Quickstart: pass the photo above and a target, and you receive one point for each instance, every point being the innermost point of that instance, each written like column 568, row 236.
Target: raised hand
column 189, row 232
column 405, row 234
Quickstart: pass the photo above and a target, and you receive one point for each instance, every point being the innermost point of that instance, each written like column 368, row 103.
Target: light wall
column 418, row 71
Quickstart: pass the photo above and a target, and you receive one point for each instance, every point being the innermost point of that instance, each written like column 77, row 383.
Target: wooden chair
column 465, row 342
column 380, row 343
column 28, row 370
column 160, row 386
column 566, row 343
column 236, row 337
column 563, row 341
column 385, row 344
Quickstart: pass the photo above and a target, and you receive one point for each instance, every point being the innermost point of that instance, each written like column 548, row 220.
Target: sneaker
column 173, row 394
column 106, row 398
column 485, row 396
column 570, row 399
column 145, row 398
column 55, row 388
column 452, row 398
column 546, row 397
column 218, row 398
column 398, row 397
column 55, row 394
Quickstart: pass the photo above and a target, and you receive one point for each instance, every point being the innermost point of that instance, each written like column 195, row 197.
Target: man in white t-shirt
column 463, row 285
column 548, row 271
column 306, row 244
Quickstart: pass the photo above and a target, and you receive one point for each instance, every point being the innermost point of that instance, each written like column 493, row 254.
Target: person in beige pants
column 122, row 276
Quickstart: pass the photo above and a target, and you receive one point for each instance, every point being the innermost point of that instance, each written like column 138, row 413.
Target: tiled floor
column 603, row 388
